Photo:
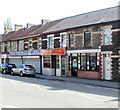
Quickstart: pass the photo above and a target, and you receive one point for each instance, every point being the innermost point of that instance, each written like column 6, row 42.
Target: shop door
column 74, row 66
column 54, row 63
column 63, row 66
column 107, row 67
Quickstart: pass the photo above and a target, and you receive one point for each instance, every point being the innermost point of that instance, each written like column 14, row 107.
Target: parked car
column 24, row 69
column 13, row 66
column 5, row 68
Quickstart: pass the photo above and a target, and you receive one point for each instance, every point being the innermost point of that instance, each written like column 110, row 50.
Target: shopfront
column 31, row 57
column 84, row 63
column 4, row 58
column 53, row 61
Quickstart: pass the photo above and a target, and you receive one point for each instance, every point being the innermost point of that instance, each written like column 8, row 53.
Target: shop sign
column 25, row 53
column 56, row 51
column 4, row 55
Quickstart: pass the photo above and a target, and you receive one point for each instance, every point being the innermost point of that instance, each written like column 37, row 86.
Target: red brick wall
column 69, row 73
column 89, row 74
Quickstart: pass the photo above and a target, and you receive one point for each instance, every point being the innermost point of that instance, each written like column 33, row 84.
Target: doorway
column 63, row 65
column 107, row 66
column 74, row 66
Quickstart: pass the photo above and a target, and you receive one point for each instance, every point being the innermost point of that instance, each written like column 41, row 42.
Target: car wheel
column 3, row 71
column 12, row 73
column 21, row 73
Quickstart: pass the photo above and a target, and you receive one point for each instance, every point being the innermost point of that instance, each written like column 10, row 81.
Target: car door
column 20, row 68
column 17, row 70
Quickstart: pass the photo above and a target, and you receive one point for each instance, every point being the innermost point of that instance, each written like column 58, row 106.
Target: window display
column 46, row 61
column 85, row 61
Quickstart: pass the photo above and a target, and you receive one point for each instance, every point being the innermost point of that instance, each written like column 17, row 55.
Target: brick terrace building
column 84, row 46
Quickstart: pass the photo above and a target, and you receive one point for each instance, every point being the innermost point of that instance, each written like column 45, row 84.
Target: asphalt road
column 29, row 92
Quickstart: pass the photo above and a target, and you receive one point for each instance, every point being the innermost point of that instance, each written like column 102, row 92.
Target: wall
column 89, row 74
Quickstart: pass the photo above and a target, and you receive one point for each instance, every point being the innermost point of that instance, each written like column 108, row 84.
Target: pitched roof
column 30, row 32
column 45, row 27
column 95, row 17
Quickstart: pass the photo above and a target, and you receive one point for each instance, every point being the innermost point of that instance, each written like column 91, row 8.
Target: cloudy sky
column 32, row 11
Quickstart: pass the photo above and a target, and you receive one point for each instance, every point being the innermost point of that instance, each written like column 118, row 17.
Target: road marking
column 8, row 106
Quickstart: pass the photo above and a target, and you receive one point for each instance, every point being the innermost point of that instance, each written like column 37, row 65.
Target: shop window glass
column 57, row 62
column 46, row 61
column 83, row 61
column 70, row 62
column 79, row 61
column 93, row 62
column 88, row 61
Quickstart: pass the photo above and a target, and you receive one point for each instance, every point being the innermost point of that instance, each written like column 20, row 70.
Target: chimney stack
column 17, row 27
column 44, row 21
column 29, row 25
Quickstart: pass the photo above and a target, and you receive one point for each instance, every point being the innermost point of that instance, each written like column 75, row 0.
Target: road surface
column 29, row 92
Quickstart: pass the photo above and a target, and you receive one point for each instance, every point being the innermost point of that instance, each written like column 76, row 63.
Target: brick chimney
column 17, row 27
column 44, row 21
column 29, row 25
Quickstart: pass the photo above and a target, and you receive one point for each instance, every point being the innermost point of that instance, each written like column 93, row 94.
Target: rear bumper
column 29, row 73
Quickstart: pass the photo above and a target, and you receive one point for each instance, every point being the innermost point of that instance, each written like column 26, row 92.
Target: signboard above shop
column 55, row 51
column 4, row 55
column 26, row 53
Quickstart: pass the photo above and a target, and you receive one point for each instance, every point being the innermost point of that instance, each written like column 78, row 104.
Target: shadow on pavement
column 60, row 85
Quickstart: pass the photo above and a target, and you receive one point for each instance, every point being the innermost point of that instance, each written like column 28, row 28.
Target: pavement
column 101, row 83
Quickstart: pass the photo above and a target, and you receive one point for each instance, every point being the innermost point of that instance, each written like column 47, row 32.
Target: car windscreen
column 29, row 67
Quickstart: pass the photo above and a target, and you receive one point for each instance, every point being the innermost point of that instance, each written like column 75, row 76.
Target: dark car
column 5, row 68
column 13, row 66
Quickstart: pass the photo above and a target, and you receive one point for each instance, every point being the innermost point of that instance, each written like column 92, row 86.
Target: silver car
column 24, row 69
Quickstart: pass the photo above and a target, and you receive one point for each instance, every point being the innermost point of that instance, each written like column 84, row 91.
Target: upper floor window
column 30, row 44
column 44, row 44
column 63, row 40
column 13, row 46
column 107, row 36
column 71, row 40
column 21, row 45
column 34, row 45
column 26, row 45
column 50, row 42
column 87, row 38
column 40, row 43
column 2, row 47
column 57, row 42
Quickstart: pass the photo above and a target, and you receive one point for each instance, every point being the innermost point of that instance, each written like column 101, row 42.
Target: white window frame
column 63, row 42
column 21, row 42
column 50, row 41
column 103, row 36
